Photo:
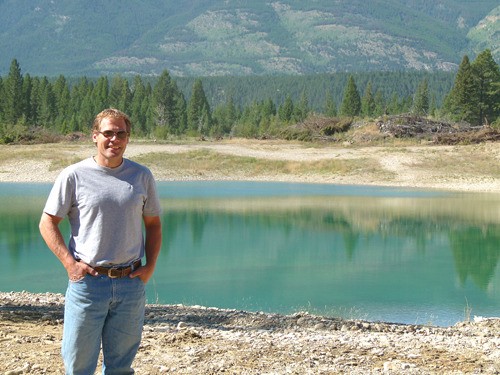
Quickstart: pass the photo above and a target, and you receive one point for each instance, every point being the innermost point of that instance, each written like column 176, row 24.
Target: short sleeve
column 61, row 196
column 152, row 205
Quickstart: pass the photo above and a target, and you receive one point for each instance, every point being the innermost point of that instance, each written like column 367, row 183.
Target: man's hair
column 113, row 113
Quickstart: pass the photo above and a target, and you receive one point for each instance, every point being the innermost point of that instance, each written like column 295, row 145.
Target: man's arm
column 153, row 245
column 49, row 229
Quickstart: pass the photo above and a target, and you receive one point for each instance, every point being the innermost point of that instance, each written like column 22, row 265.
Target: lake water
column 396, row 255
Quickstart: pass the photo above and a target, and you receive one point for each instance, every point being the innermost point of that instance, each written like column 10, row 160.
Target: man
column 107, row 199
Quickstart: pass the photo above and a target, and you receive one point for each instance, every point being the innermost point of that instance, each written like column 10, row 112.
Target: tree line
column 33, row 107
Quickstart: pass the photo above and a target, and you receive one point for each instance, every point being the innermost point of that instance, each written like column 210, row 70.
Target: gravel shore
column 198, row 340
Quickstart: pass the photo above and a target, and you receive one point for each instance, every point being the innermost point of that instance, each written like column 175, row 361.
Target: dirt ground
column 195, row 340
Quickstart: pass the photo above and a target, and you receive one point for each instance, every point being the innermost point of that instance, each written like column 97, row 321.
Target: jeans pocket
column 78, row 280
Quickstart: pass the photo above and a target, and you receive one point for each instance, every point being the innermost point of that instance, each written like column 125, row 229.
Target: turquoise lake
column 397, row 255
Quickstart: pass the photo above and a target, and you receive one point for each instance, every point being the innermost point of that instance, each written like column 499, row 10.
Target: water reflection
column 471, row 229
column 379, row 254
column 475, row 250
column 424, row 259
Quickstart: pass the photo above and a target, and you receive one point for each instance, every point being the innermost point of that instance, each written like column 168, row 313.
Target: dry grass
column 203, row 162
column 473, row 161
column 59, row 155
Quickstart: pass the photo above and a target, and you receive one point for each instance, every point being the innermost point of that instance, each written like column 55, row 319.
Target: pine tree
column 394, row 106
column 59, row 86
column 137, row 115
column 87, row 110
column 421, row 99
column 368, row 101
column 27, row 106
column 100, row 95
column 433, row 106
column 34, row 101
column 380, row 106
column 119, row 93
column 168, row 106
column 285, row 111
column 225, row 116
column 63, row 101
column 47, row 112
column 351, row 102
column 487, row 77
column 81, row 105
column 330, row 109
column 461, row 102
column 198, row 111
column 13, row 94
column 302, row 109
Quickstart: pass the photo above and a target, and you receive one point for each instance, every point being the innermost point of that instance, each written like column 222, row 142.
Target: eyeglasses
column 122, row 134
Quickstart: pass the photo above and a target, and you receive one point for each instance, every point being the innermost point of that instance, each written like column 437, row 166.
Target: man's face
column 111, row 146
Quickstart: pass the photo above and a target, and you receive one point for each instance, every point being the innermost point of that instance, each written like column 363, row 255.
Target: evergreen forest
column 40, row 109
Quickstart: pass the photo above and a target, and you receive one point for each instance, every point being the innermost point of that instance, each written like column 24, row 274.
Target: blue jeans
column 100, row 310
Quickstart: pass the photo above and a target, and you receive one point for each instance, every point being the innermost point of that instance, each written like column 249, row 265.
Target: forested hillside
column 316, row 87
column 36, row 109
column 220, row 38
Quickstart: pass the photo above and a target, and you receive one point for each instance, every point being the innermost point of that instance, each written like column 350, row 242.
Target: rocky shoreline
column 182, row 339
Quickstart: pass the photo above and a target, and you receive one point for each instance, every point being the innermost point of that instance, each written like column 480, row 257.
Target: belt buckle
column 110, row 273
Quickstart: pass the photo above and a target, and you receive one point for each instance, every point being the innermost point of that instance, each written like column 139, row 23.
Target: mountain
column 236, row 37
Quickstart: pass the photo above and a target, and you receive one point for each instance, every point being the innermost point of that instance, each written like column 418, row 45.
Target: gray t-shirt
column 105, row 208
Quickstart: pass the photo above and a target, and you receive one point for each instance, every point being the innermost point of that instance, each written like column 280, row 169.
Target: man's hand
column 144, row 273
column 153, row 245
column 78, row 270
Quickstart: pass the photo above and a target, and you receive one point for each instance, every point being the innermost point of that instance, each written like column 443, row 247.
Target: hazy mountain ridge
column 486, row 34
column 203, row 38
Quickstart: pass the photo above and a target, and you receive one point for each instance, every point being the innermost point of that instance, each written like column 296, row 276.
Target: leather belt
column 118, row 272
